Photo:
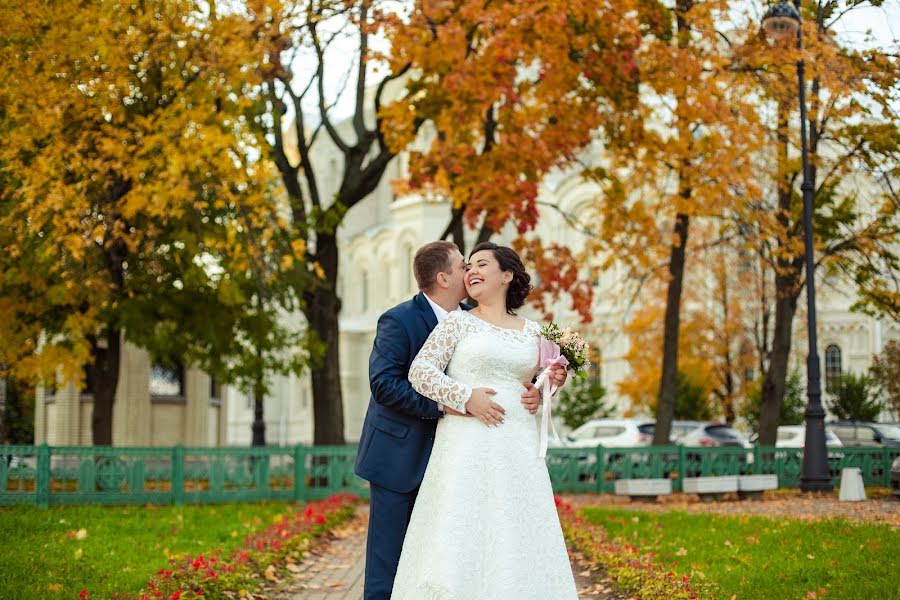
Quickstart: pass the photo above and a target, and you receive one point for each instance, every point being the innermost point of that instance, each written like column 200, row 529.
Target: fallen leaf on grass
column 270, row 573
column 292, row 567
column 54, row 587
column 77, row 535
column 681, row 552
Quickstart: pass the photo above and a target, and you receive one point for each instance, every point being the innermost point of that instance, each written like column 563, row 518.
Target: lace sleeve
column 426, row 374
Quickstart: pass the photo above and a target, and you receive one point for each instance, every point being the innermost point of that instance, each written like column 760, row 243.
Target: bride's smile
column 484, row 278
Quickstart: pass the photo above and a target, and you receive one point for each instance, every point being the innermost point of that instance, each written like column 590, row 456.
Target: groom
column 398, row 431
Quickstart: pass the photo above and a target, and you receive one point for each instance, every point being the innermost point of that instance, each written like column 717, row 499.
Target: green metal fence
column 597, row 469
column 48, row 476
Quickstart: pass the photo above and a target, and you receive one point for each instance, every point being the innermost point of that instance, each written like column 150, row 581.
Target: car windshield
column 583, row 433
column 891, row 432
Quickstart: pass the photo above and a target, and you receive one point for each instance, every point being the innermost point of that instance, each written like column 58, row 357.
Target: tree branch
column 323, row 112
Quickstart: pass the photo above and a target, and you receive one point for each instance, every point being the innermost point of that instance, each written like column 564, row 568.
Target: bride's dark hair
column 509, row 260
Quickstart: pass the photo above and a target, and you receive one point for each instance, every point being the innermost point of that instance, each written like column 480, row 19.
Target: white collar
column 439, row 310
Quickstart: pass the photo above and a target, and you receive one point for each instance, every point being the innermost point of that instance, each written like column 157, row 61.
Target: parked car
column 888, row 431
column 794, row 436
column 862, row 434
column 713, row 435
column 679, row 429
column 610, row 433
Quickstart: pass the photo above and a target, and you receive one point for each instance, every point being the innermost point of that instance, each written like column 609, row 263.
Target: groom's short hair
column 431, row 259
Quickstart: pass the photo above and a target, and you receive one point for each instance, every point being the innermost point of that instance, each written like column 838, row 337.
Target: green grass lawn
column 762, row 558
column 41, row 555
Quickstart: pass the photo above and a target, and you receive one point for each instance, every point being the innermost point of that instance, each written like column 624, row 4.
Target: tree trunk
column 665, row 406
column 786, row 290
column 259, row 421
column 106, row 377
column 322, row 308
column 17, row 419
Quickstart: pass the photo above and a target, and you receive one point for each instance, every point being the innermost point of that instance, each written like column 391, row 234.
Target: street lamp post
column 781, row 21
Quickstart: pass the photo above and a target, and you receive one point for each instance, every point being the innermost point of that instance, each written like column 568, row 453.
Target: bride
column 484, row 526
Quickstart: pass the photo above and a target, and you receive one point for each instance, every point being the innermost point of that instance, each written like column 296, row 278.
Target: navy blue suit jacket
column 398, row 431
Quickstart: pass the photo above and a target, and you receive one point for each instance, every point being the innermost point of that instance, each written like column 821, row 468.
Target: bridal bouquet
column 569, row 345
column 563, row 348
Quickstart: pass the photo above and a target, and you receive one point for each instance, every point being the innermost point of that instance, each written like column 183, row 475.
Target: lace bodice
column 474, row 353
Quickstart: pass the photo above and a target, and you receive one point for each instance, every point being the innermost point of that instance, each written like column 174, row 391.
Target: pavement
column 334, row 570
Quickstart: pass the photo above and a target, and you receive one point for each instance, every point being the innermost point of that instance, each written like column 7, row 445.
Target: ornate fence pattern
column 46, row 476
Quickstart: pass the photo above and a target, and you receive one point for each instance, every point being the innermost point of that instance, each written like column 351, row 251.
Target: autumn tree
column 685, row 154
column 509, row 91
column 645, row 330
column 853, row 147
column 130, row 207
column 496, row 93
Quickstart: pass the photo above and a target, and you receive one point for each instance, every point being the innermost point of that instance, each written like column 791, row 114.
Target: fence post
column 599, row 469
column 178, row 474
column 42, row 477
column 299, row 473
column 886, row 467
column 682, row 465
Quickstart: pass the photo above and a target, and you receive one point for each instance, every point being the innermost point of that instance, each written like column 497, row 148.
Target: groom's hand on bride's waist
column 455, row 413
column 483, row 408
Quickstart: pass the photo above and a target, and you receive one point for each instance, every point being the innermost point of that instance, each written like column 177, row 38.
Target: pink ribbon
column 548, row 357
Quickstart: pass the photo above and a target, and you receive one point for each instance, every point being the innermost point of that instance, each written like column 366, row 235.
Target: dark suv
column 862, row 434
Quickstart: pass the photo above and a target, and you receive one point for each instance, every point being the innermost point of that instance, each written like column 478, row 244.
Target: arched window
column 832, row 368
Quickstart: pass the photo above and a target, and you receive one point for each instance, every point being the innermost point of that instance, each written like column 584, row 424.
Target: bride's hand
column 531, row 398
column 558, row 376
column 481, row 406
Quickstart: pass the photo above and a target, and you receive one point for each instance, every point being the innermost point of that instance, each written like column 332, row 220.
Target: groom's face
column 456, row 278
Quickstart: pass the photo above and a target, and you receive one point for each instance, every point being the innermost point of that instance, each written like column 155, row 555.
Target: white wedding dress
column 484, row 526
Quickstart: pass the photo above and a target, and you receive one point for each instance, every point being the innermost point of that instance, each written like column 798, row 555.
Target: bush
column 582, row 400
column 691, row 399
column 856, row 399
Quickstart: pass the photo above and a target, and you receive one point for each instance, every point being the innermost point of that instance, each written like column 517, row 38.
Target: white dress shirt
column 439, row 310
